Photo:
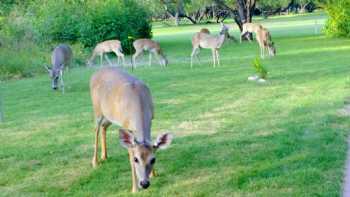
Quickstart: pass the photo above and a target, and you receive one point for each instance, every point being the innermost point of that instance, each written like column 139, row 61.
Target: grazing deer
column 151, row 46
column 208, row 41
column 119, row 98
column 250, row 28
column 108, row 46
column 263, row 38
column 61, row 57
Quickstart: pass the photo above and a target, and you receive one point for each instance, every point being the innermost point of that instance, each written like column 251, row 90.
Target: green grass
column 233, row 137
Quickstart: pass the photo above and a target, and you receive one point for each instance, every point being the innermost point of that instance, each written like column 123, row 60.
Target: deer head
column 272, row 49
column 144, row 154
column 224, row 29
column 54, row 75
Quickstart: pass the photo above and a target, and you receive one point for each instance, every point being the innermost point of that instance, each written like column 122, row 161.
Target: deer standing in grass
column 60, row 59
column 250, row 28
column 119, row 98
column 263, row 38
column 108, row 46
column 204, row 39
column 151, row 46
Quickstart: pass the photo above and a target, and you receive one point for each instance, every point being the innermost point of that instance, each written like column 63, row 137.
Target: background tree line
column 30, row 28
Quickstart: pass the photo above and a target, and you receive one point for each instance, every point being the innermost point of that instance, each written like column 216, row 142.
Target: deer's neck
column 143, row 130
column 140, row 121
column 221, row 39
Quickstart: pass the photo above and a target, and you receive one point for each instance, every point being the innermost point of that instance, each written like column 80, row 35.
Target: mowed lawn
column 233, row 137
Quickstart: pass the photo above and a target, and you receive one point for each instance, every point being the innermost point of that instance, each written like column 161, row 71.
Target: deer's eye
column 136, row 160
column 153, row 160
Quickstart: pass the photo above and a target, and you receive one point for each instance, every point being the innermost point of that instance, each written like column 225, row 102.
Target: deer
column 264, row 40
column 207, row 41
column 121, row 99
column 141, row 45
column 61, row 57
column 250, row 28
column 108, row 46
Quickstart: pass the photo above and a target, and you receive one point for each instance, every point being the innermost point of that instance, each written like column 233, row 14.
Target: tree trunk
column 245, row 11
column 177, row 19
column 233, row 13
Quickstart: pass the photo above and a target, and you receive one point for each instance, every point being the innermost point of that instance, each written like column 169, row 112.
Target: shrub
column 259, row 69
column 114, row 19
column 57, row 20
column 21, row 60
column 338, row 23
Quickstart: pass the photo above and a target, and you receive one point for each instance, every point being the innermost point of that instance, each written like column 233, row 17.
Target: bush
column 338, row 23
column 57, row 20
column 21, row 60
column 259, row 69
column 114, row 19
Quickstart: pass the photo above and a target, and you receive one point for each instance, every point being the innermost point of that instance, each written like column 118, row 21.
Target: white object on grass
column 253, row 78
column 261, row 80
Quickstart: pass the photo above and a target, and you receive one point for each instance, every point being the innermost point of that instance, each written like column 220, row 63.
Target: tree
column 241, row 11
column 269, row 7
column 338, row 22
column 189, row 9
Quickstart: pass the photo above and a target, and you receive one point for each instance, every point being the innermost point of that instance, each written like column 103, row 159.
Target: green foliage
column 57, row 20
column 114, row 19
column 21, row 60
column 271, row 5
column 259, row 68
column 234, row 138
column 338, row 23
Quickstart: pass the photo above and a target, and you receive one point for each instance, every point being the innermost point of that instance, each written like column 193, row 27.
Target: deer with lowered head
column 264, row 40
column 108, row 46
column 204, row 39
column 60, row 59
column 141, row 45
column 263, row 37
column 119, row 98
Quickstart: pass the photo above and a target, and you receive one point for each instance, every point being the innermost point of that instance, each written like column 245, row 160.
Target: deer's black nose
column 54, row 88
column 144, row 184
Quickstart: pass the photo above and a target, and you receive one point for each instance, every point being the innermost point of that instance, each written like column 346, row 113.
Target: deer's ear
column 163, row 141
column 127, row 139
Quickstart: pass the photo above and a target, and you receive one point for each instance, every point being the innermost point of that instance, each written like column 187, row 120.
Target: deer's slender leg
column 103, row 142
column 133, row 173
column 158, row 58
column 217, row 57
column 194, row 50
column 101, row 59
column 97, row 132
column 119, row 55
column 61, row 79
column 109, row 61
column 213, row 54
column 150, row 59
column 137, row 53
column 262, row 52
column 123, row 59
